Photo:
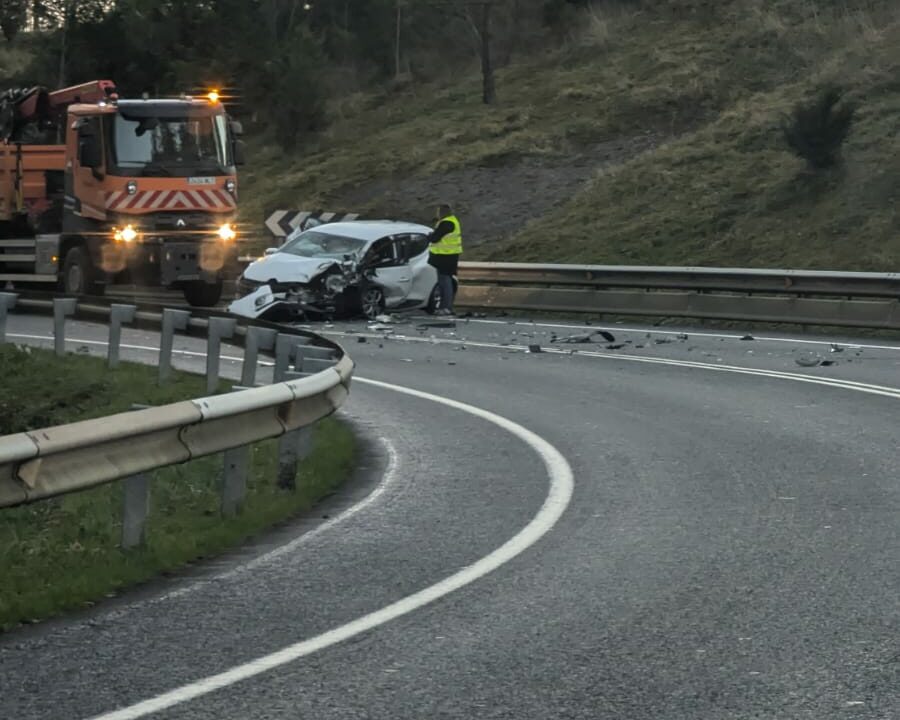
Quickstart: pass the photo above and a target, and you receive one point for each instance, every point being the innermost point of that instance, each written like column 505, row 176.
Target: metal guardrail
column 805, row 297
column 48, row 462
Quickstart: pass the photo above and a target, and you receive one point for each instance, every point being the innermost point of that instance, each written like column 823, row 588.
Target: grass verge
column 63, row 553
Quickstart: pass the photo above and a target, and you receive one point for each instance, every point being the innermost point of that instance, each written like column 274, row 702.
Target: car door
column 424, row 276
column 390, row 270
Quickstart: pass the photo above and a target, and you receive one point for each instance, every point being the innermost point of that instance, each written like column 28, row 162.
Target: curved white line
column 390, row 476
column 558, row 497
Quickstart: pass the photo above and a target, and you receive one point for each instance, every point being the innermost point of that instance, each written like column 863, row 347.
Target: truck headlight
column 226, row 232
column 230, row 186
column 131, row 187
column 126, row 234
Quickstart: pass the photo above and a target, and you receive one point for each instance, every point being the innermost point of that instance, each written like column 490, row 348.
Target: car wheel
column 434, row 301
column 372, row 302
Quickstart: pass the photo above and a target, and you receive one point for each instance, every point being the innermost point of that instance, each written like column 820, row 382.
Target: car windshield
column 176, row 146
column 318, row 244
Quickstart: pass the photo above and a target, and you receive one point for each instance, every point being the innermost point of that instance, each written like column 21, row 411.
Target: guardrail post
column 287, row 461
column 172, row 320
column 234, row 479
column 135, row 508
column 7, row 303
column 62, row 308
column 118, row 314
column 257, row 339
column 217, row 329
column 285, row 350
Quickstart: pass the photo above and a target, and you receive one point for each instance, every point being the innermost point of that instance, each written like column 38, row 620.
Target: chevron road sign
column 282, row 223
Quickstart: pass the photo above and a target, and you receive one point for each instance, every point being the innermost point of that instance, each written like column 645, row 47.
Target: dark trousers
column 446, row 266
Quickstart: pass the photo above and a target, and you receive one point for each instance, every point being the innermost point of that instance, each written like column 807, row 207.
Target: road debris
column 361, row 339
column 813, row 360
column 584, row 338
column 748, row 337
column 662, row 341
column 436, row 324
column 535, row 349
column 381, row 327
column 617, row 346
column 682, row 336
column 835, row 348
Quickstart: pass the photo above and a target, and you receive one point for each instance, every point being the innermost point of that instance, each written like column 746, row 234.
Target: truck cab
column 139, row 191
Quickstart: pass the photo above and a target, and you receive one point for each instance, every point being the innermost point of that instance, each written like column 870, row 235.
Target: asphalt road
column 730, row 550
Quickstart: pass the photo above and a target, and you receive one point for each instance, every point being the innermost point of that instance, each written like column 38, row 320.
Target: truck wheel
column 79, row 275
column 201, row 294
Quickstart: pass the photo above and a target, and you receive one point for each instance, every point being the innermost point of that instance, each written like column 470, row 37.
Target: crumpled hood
column 286, row 268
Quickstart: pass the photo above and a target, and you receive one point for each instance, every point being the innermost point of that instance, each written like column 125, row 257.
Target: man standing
column 446, row 247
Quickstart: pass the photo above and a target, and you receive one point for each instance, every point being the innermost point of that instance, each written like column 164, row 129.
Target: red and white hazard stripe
column 211, row 199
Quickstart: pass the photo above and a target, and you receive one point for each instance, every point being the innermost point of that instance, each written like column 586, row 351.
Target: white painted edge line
column 388, row 479
column 555, row 504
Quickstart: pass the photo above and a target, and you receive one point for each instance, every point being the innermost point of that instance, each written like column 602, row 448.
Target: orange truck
column 97, row 190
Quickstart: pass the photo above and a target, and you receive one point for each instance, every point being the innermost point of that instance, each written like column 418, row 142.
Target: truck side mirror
column 236, row 128
column 238, row 152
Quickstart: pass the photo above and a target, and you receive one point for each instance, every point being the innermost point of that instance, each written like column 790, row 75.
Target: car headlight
column 336, row 284
column 226, row 232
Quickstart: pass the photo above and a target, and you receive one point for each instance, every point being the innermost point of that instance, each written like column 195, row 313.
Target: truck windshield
column 177, row 146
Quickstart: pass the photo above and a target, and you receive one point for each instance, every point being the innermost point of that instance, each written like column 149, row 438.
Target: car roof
column 370, row 230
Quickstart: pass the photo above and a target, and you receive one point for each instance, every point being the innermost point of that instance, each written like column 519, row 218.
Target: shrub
column 816, row 130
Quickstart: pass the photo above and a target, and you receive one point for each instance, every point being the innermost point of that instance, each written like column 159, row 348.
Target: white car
column 342, row 268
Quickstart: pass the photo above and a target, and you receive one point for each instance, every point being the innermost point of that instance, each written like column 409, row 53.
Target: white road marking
column 555, row 504
column 388, row 479
column 657, row 331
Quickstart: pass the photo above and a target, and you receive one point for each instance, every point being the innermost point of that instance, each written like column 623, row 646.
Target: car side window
column 382, row 253
column 416, row 246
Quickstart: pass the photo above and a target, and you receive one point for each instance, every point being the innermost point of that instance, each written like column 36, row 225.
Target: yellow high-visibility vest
column 451, row 243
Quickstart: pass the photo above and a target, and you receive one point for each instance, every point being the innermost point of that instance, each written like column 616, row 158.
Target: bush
column 816, row 130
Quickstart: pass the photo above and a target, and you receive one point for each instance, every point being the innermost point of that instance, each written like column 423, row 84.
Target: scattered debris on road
column 584, row 338
column 748, row 337
column 535, row 349
column 813, row 360
column 381, row 327
column 436, row 324
column 835, row 348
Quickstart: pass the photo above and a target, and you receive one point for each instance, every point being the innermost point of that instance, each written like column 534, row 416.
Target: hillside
column 650, row 136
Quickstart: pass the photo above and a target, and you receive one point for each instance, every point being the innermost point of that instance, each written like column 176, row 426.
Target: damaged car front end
column 331, row 289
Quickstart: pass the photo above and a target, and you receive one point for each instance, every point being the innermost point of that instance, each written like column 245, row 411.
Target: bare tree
column 478, row 13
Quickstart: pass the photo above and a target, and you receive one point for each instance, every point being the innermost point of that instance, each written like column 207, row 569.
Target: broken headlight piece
column 335, row 284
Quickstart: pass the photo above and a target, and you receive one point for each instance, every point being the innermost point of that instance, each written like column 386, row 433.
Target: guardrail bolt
column 118, row 314
column 7, row 303
column 135, row 508
column 217, row 330
column 62, row 308
column 234, row 479
column 172, row 320
column 256, row 339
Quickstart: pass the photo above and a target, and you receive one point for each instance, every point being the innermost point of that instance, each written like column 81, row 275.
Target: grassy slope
column 64, row 553
column 721, row 190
